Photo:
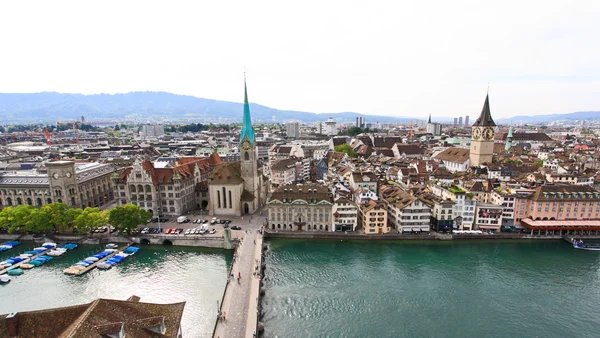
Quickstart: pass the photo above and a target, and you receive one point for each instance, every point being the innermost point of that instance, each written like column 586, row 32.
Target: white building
column 345, row 215
column 149, row 131
column 409, row 214
column 292, row 129
column 329, row 127
column 455, row 159
column 463, row 210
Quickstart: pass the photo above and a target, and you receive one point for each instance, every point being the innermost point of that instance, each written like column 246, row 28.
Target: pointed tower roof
column 509, row 132
column 429, row 119
column 247, row 130
column 485, row 119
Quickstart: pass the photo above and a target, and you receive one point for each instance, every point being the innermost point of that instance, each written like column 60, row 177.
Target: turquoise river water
column 430, row 289
column 156, row 274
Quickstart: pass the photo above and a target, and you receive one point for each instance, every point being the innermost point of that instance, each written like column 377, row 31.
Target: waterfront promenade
column 240, row 302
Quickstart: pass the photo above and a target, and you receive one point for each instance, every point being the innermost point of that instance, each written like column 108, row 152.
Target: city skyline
column 375, row 59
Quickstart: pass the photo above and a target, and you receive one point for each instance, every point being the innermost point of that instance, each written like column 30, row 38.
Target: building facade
column 305, row 207
column 374, row 218
column 345, row 215
column 79, row 185
column 292, row 129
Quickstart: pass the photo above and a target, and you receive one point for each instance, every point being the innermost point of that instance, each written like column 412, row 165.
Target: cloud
column 377, row 57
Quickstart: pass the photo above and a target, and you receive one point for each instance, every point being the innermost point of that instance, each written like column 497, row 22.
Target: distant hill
column 49, row 107
column 576, row 116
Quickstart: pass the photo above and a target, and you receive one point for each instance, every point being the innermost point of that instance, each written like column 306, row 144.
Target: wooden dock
column 25, row 261
column 79, row 272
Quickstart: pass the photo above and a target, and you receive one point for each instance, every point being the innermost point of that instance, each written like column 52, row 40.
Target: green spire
column 247, row 130
column 509, row 137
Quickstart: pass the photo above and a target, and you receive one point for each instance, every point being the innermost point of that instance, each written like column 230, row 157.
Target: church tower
column 482, row 137
column 248, row 161
column 509, row 139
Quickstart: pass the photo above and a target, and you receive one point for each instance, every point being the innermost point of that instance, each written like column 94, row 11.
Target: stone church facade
column 239, row 188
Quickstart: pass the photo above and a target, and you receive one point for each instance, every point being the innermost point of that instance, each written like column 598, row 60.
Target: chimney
column 12, row 324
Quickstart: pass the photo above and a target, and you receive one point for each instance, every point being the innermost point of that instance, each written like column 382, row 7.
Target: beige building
column 305, row 207
column 374, row 218
column 80, row 185
column 166, row 186
column 482, row 137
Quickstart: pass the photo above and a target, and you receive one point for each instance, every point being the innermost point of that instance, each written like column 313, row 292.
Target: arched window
column 273, row 226
column 148, row 188
column 321, row 227
column 73, row 201
column 8, row 201
column 278, row 226
column 172, row 209
column 230, row 199
column 19, row 201
column 29, row 202
column 224, row 198
column 49, row 201
column 247, row 156
column 218, row 199
column 38, row 202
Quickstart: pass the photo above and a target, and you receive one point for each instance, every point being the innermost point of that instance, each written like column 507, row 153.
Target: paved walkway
column 240, row 304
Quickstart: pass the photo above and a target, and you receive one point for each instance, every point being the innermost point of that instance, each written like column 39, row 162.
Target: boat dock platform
column 24, row 261
column 78, row 271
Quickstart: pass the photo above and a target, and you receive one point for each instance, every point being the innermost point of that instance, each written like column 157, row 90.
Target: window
column 247, row 156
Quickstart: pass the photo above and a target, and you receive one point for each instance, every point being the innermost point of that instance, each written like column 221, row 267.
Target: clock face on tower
column 245, row 145
column 488, row 134
column 476, row 133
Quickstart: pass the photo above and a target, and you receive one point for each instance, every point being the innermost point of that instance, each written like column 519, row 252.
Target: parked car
column 168, row 231
column 188, row 231
column 236, row 227
column 212, row 231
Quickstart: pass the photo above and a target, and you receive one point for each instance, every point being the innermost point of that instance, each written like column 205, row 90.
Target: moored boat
column 111, row 246
column 4, row 279
column 580, row 245
column 15, row 272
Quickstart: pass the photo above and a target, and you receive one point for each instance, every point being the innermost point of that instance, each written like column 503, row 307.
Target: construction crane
column 75, row 128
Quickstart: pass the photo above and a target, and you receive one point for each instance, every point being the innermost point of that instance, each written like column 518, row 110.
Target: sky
column 398, row 58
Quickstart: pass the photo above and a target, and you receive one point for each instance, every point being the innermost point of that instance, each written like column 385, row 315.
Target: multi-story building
column 408, row 213
column 284, row 172
column 292, row 129
column 373, row 218
column 80, row 185
column 505, row 198
column 305, row 207
column 149, row 131
column 363, row 181
column 442, row 214
column 329, row 127
column 345, row 215
column 166, row 186
column 488, row 217
column 463, row 211
column 558, row 202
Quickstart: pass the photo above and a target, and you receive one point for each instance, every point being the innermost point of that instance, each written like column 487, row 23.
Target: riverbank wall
column 433, row 236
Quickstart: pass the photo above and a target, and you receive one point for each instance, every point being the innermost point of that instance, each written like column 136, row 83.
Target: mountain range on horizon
column 50, row 107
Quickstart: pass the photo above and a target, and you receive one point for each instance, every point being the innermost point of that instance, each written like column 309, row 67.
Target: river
column 430, row 289
column 156, row 273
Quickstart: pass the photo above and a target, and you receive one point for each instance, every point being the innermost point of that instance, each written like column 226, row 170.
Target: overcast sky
column 401, row 58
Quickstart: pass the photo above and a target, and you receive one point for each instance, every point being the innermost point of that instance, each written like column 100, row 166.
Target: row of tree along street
column 60, row 218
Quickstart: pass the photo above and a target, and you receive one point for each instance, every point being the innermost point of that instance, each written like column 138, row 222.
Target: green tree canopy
column 345, row 148
column 90, row 218
column 126, row 218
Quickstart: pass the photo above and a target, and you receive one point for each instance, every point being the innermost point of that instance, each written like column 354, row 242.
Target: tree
column 345, row 148
column 21, row 217
column 39, row 221
column 59, row 215
column 538, row 163
column 90, row 218
column 7, row 216
column 128, row 217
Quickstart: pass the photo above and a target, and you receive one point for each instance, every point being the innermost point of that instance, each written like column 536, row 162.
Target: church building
column 482, row 137
column 239, row 188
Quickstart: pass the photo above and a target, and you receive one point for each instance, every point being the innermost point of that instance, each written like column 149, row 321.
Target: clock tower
column 248, row 161
column 482, row 137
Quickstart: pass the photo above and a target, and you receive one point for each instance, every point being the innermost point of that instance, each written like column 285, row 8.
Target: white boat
column 4, row 279
column 49, row 244
column 93, row 259
column 111, row 246
column 55, row 253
